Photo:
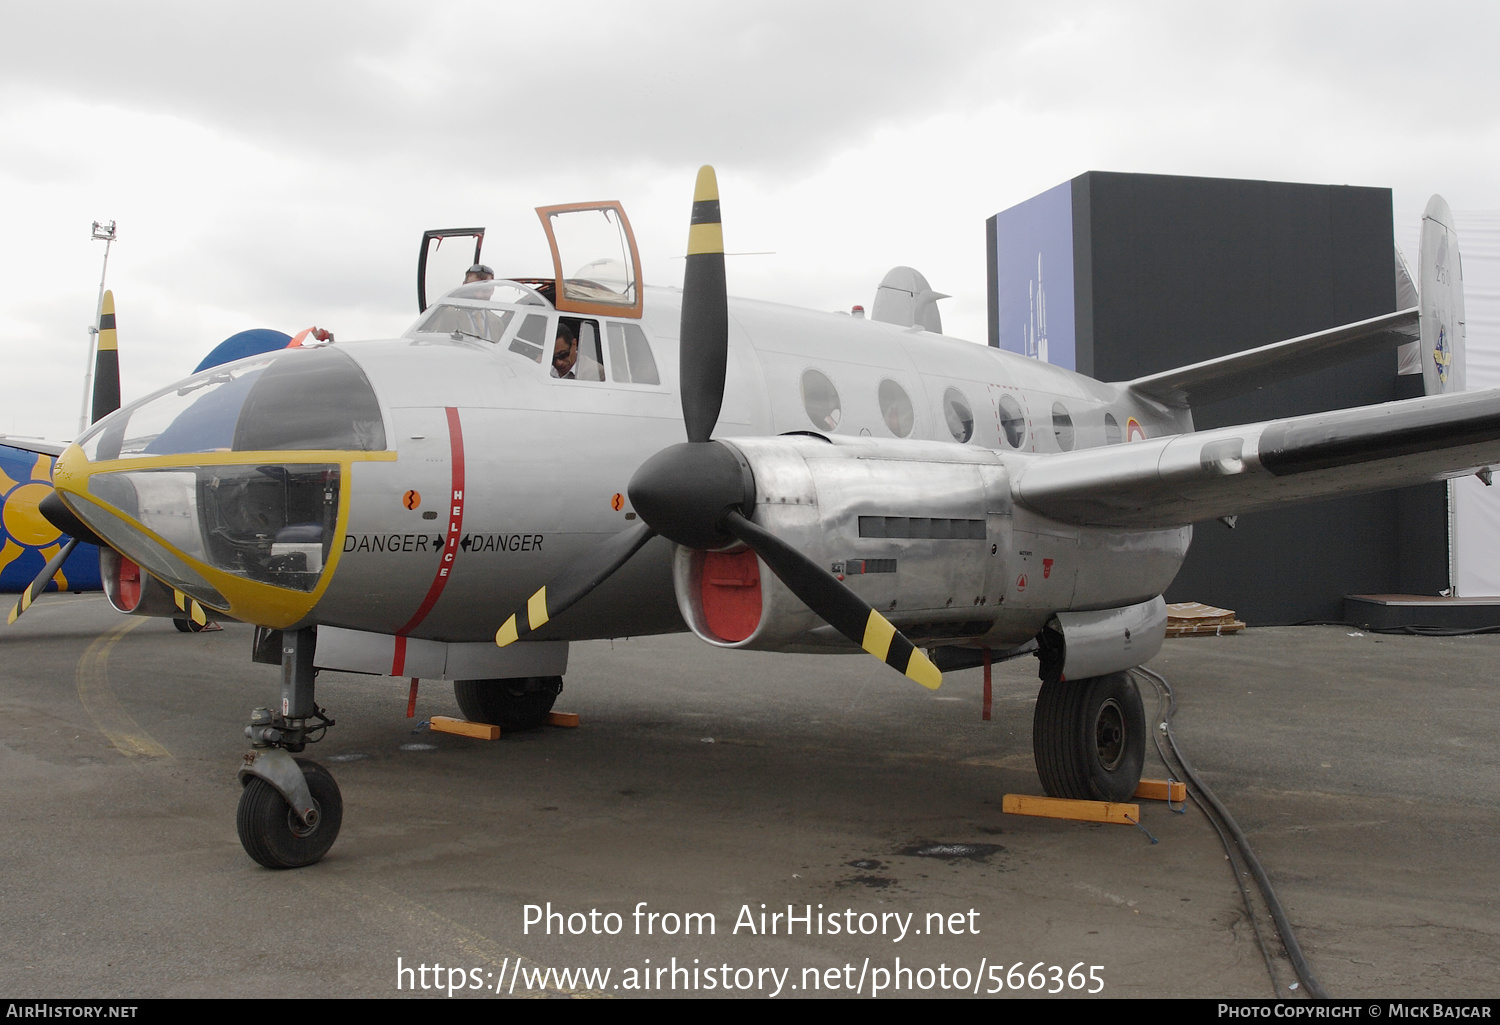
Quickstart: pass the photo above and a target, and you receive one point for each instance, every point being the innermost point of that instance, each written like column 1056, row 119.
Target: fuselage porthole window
column 895, row 408
column 1012, row 421
column 958, row 415
column 1062, row 427
column 821, row 400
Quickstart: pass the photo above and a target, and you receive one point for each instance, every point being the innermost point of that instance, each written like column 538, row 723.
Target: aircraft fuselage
column 495, row 474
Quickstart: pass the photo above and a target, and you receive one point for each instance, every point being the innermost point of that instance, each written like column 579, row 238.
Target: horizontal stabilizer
column 1241, row 372
column 1173, row 481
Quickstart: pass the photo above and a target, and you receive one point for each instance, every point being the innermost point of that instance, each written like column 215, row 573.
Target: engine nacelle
column 920, row 531
column 132, row 590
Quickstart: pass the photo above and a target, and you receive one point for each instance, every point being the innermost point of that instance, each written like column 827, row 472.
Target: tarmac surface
column 1363, row 768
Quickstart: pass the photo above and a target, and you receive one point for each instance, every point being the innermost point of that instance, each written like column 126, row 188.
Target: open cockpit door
column 445, row 269
column 593, row 241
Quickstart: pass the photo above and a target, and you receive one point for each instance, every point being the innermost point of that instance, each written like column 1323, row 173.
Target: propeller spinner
column 701, row 493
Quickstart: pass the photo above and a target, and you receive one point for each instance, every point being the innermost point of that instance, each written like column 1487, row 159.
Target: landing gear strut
column 290, row 808
column 1089, row 737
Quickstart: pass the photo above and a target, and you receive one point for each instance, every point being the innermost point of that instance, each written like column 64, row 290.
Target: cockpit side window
column 630, row 359
column 531, row 338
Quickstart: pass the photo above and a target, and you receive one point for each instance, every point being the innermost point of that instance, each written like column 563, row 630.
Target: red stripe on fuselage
column 450, row 547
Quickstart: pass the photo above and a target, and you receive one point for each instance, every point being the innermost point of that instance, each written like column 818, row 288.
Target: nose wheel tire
column 517, row 704
column 274, row 835
column 1089, row 738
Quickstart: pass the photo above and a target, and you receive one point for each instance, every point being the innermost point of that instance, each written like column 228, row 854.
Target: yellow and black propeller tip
column 190, row 605
column 37, row 586
column 106, row 363
column 703, row 347
column 569, row 587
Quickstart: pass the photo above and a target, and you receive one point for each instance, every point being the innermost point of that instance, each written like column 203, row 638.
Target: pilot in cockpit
column 479, row 272
column 567, row 362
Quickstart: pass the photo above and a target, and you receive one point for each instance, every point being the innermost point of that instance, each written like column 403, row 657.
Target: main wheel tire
column 1089, row 738
column 271, row 832
column 517, row 704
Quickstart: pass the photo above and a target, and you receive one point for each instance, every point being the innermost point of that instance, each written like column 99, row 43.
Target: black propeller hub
column 61, row 517
column 685, row 492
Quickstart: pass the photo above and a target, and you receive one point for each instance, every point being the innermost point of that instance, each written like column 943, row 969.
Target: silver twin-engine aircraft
column 543, row 460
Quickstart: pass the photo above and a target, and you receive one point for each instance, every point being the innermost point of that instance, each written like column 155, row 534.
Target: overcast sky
column 274, row 164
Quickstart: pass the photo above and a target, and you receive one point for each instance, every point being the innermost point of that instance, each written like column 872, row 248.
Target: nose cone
column 230, row 486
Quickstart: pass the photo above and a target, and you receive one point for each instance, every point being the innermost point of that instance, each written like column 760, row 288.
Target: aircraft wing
column 1169, row 482
column 35, row 445
column 1240, row 372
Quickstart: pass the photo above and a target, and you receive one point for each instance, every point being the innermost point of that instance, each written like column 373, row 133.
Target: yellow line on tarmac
column 99, row 701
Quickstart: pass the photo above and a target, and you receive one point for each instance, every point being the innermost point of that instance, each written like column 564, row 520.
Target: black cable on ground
column 1414, row 631
column 1262, row 881
column 1164, row 693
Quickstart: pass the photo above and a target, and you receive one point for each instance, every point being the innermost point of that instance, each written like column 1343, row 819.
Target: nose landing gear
column 290, row 808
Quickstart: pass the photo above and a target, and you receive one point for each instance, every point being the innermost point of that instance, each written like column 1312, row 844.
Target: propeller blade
column 703, row 351
column 106, row 363
column 580, row 577
column 195, row 611
column 43, row 578
column 840, row 607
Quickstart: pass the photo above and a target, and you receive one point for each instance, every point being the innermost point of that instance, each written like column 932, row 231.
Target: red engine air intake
column 126, row 594
column 730, row 594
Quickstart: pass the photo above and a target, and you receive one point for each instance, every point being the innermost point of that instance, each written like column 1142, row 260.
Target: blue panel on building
column 1033, row 278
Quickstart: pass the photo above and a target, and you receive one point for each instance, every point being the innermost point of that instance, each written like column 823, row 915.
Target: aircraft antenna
column 102, row 233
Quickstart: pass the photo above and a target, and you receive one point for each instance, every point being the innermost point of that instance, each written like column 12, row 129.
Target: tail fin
column 905, row 299
column 1442, row 301
column 106, row 363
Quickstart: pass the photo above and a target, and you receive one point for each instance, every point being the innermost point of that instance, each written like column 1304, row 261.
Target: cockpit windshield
column 476, row 322
column 498, row 292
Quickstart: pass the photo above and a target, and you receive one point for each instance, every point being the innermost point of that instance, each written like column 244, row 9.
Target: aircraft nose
column 229, row 486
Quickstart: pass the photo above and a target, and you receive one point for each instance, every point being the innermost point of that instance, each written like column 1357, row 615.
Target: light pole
column 102, row 233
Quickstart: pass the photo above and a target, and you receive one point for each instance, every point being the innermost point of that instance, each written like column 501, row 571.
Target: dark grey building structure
column 1129, row 274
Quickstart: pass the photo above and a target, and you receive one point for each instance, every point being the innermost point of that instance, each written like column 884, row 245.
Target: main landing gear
column 290, row 808
column 1089, row 737
column 516, row 704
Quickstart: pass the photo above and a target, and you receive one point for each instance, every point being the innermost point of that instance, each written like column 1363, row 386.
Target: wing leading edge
column 1170, row 482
